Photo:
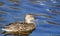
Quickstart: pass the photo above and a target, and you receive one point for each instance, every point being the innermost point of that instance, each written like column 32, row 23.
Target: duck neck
column 29, row 21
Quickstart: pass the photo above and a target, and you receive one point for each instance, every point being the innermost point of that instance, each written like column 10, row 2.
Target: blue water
column 46, row 25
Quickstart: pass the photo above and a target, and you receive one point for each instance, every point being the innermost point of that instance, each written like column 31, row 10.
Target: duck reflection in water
column 21, row 28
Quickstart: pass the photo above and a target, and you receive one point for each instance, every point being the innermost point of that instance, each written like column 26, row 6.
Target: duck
column 22, row 27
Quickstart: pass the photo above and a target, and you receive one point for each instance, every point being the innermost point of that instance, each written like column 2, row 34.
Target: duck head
column 29, row 18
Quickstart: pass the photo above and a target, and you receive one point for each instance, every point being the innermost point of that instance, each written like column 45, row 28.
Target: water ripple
column 2, row 4
column 47, row 23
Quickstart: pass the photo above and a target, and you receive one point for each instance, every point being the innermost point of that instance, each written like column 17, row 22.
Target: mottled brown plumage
column 25, row 27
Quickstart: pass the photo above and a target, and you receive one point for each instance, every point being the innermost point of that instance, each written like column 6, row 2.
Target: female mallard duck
column 25, row 27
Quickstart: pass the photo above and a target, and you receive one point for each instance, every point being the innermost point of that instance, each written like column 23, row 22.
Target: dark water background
column 47, row 25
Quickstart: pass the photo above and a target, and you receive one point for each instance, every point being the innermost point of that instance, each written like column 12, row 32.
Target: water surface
column 46, row 25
